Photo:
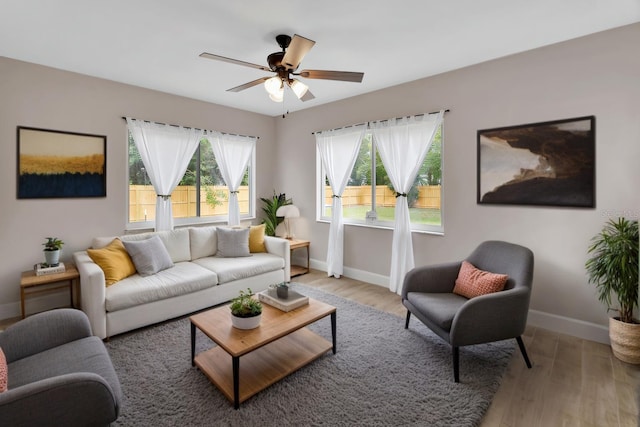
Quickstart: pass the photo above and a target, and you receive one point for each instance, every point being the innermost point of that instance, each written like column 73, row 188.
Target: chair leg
column 406, row 324
column 523, row 351
column 456, row 364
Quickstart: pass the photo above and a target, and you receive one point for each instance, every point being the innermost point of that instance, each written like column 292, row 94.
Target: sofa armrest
column 43, row 331
column 93, row 288
column 431, row 278
column 83, row 398
column 279, row 246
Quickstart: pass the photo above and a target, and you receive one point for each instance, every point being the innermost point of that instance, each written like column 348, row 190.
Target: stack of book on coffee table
column 294, row 300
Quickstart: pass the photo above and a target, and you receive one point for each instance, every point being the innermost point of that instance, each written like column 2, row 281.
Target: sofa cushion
column 203, row 241
column 183, row 278
column 230, row 269
column 176, row 242
column 149, row 256
column 114, row 260
column 3, row 372
column 473, row 282
column 233, row 242
column 256, row 238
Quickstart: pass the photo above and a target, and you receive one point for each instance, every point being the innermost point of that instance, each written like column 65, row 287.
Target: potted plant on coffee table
column 52, row 248
column 246, row 311
column 613, row 269
column 282, row 289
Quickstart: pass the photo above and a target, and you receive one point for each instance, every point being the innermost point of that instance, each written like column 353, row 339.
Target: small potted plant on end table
column 52, row 248
column 613, row 269
column 282, row 289
column 246, row 311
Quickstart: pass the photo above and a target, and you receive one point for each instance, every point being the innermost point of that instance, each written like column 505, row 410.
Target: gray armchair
column 428, row 294
column 59, row 374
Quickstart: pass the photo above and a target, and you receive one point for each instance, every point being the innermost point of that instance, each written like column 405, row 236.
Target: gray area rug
column 382, row 375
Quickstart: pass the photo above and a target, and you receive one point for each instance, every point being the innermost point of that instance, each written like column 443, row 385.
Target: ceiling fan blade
column 346, row 76
column 307, row 96
column 248, row 85
column 297, row 49
column 233, row 61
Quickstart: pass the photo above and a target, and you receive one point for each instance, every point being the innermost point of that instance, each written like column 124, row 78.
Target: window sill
column 384, row 227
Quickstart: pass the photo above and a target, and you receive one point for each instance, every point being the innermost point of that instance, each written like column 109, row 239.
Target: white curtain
column 403, row 143
column 165, row 151
column 233, row 153
column 338, row 150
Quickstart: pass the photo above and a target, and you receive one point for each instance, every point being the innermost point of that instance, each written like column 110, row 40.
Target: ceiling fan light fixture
column 298, row 88
column 274, row 86
column 277, row 97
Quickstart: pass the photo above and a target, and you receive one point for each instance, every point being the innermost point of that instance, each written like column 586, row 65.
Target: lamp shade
column 288, row 211
column 298, row 88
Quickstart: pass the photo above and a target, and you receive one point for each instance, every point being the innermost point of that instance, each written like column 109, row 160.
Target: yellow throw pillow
column 114, row 260
column 256, row 238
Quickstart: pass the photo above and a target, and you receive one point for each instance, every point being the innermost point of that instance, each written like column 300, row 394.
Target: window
column 201, row 195
column 369, row 198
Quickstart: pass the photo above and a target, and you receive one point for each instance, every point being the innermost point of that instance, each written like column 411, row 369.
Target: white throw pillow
column 203, row 241
column 233, row 242
column 149, row 256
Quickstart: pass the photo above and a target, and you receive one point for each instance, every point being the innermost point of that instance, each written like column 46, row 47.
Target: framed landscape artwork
column 53, row 163
column 550, row 163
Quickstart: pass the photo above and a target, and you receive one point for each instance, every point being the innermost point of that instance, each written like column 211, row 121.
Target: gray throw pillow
column 149, row 256
column 233, row 242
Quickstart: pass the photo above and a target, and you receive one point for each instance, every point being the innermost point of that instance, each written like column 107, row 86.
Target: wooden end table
column 30, row 284
column 270, row 352
column 297, row 270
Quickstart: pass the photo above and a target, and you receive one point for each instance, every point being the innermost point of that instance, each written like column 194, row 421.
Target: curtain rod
column 385, row 120
column 189, row 127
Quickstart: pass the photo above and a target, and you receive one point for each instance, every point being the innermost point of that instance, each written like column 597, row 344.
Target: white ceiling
column 155, row 43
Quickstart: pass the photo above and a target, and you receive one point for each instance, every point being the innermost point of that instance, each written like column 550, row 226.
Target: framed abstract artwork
column 548, row 163
column 54, row 163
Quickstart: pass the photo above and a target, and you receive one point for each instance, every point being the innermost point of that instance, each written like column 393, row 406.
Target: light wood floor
column 573, row 382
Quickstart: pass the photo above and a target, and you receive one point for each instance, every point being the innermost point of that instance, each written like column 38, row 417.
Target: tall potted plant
column 613, row 269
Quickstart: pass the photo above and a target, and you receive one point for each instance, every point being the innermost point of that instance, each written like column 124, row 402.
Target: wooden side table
column 30, row 284
column 297, row 270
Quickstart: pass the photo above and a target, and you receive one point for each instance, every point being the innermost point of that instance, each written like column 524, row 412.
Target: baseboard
column 552, row 322
column 566, row 325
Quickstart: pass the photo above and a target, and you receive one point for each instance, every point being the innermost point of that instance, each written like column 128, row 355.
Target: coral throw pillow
column 114, row 260
column 256, row 238
column 473, row 282
column 4, row 372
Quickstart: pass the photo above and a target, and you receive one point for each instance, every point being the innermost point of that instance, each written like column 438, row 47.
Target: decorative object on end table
column 288, row 212
column 246, row 311
column 270, row 209
column 42, row 269
column 52, row 248
column 291, row 302
column 613, row 269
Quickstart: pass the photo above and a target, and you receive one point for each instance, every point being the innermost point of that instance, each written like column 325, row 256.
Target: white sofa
column 198, row 280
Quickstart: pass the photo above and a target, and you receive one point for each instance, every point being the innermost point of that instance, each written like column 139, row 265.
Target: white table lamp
column 288, row 212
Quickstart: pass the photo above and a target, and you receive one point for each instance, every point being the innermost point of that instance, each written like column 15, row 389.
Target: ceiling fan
column 284, row 64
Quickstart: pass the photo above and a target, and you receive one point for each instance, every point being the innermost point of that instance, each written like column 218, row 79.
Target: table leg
column 236, row 382
column 333, row 331
column 22, row 301
column 193, row 344
column 71, row 292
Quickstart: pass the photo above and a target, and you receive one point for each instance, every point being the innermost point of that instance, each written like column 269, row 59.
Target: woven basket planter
column 625, row 340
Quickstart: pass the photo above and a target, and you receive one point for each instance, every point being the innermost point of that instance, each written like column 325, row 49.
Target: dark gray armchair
column 428, row 294
column 59, row 374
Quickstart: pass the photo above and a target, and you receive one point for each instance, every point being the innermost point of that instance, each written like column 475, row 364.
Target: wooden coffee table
column 270, row 352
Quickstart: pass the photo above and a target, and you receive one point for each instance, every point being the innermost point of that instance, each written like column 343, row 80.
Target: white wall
column 595, row 75
column 32, row 95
